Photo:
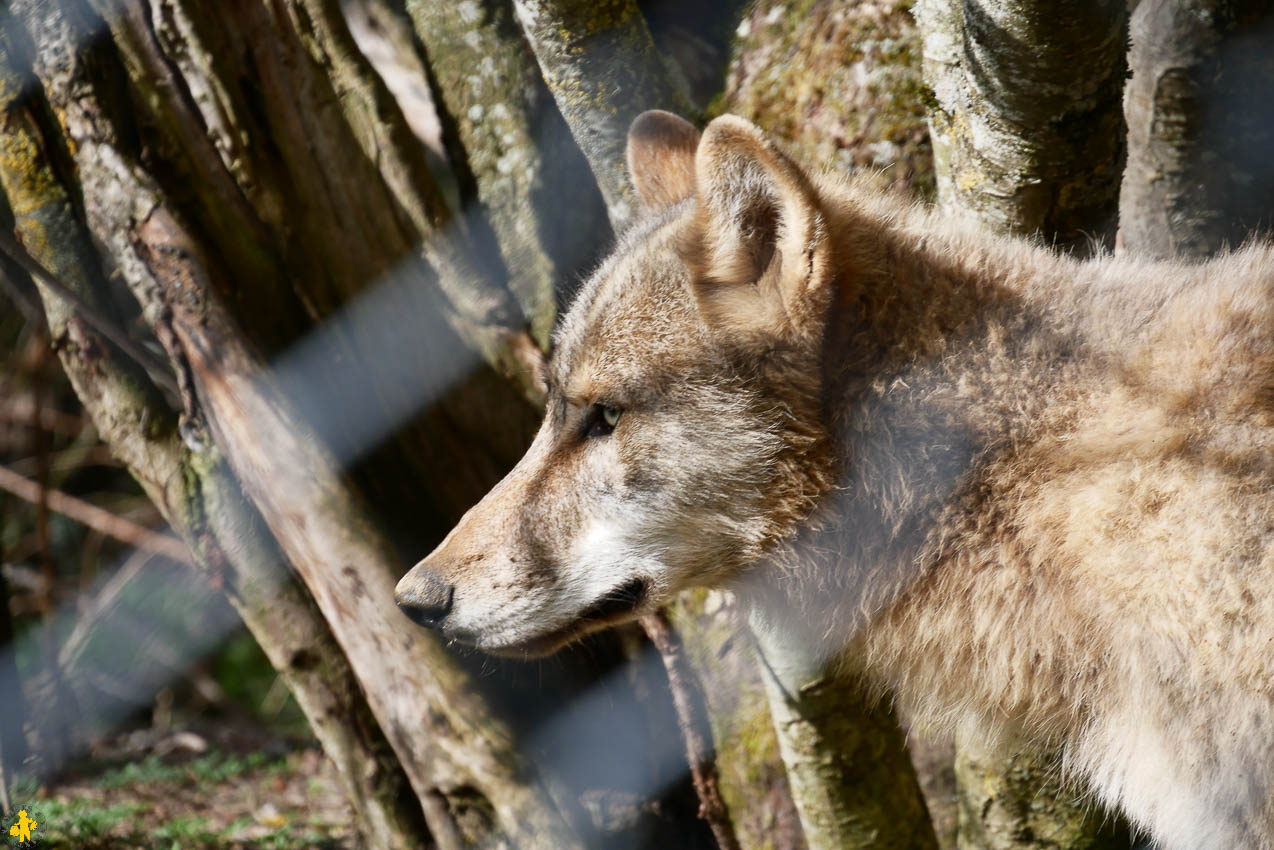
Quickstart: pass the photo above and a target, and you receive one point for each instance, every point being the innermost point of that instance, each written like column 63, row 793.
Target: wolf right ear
column 661, row 158
column 759, row 247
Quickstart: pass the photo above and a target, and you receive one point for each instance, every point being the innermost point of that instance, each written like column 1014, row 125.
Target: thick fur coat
column 1025, row 493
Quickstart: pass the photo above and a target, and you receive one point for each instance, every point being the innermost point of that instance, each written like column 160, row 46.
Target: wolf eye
column 603, row 420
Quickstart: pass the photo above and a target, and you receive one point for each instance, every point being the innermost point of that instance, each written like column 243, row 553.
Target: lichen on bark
column 840, row 84
column 1025, row 115
column 529, row 178
column 600, row 63
column 1008, row 803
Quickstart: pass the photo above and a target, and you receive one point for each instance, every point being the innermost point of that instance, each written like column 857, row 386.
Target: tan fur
column 1027, row 494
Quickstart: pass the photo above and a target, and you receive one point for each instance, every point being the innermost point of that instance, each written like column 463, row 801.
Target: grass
column 217, row 767
column 85, row 826
column 76, row 823
column 210, row 803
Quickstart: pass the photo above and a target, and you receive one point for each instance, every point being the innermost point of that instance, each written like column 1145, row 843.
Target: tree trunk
column 1025, row 117
column 602, row 68
column 1025, row 124
column 847, row 764
column 1199, row 176
column 529, row 179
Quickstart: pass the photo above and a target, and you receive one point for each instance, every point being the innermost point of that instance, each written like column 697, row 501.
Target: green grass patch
column 183, row 830
column 217, row 767
column 78, row 822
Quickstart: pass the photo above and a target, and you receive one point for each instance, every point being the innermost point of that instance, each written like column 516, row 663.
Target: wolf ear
column 759, row 247
column 661, row 157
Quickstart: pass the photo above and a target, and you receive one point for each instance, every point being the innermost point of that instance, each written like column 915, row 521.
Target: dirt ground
column 196, row 789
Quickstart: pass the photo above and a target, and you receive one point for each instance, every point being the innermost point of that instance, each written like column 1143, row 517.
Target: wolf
column 1021, row 491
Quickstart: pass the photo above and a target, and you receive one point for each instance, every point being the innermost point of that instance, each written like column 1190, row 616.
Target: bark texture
column 349, row 566
column 850, row 774
column 1199, row 136
column 289, row 172
column 528, row 177
column 600, row 63
column 1025, row 117
column 1021, row 801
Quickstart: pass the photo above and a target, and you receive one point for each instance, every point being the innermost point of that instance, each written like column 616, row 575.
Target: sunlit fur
column 1027, row 494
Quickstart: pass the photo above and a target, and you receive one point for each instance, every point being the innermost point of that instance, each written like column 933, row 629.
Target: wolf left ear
column 661, row 158
column 759, row 247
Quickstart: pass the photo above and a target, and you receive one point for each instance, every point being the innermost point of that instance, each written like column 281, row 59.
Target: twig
column 692, row 717
column 154, row 366
column 25, row 411
column 68, row 460
column 102, row 602
column 94, row 517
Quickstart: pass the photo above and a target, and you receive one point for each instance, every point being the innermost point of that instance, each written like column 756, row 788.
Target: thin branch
column 154, row 366
column 102, row 603
column 94, row 517
column 692, row 717
column 23, row 410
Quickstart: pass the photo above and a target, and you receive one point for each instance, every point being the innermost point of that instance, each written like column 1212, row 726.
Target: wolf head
column 684, row 431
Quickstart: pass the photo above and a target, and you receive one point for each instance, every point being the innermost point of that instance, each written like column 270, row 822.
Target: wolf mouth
column 615, row 607
column 622, row 600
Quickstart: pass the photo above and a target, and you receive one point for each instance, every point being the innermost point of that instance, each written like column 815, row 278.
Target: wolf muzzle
column 428, row 602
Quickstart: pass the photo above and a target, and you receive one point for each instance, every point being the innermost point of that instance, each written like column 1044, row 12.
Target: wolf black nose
column 428, row 600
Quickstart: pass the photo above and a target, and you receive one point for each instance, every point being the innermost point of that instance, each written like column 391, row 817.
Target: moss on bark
column 1019, row 800
column 839, row 83
column 530, row 180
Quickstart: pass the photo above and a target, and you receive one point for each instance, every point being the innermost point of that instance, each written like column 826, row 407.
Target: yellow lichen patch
column 28, row 180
